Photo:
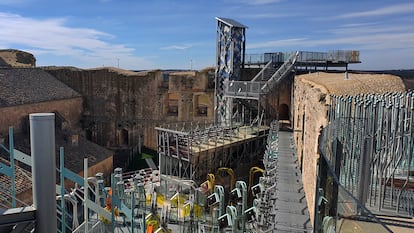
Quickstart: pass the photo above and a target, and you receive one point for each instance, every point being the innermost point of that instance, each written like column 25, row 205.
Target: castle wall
column 122, row 108
column 310, row 107
column 18, row 116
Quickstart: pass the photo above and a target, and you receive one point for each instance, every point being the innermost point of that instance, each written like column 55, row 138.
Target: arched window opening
column 123, row 137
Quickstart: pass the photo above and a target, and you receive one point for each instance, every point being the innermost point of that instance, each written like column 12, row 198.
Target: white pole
column 43, row 152
column 85, row 194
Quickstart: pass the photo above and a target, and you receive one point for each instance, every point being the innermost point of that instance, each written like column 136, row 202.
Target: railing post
column 13, row 175
column 85, row 194
column 62, row 188
column 42, row 139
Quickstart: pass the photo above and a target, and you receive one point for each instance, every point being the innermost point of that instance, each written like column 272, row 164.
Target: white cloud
column 392, row 59
column 371, row 29
column 373, row 36
column 51, row 37
column 367, row 36
column 378, row 50
column 176, row 47
column 374, row 42
column 389, row 10
column 382, row 42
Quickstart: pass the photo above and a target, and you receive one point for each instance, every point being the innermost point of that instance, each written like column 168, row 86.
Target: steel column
column 42, row 138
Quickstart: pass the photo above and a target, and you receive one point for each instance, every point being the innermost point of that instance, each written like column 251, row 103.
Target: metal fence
column 336, row 209
column 376, row 164
column 348, row 56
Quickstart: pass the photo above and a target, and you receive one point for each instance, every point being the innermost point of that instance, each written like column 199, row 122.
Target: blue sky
column 161, row 34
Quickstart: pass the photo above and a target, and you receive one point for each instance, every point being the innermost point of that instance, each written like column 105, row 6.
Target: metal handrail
column 261, row 73
column 282, row 71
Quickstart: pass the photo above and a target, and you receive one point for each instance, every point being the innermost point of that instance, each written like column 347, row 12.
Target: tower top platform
column 230, row 22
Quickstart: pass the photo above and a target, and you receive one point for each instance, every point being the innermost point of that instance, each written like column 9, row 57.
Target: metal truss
column 191, row 153
column 230, row 52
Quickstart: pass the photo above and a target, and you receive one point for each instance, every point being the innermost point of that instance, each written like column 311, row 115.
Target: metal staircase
column 266, row 73
column 249, row 94
column 263, row 82
column 281, row 73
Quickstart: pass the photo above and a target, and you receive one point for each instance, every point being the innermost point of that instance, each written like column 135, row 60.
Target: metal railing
column 336, row 209
column 261, row 74
column 377, row 159
column 8, row 170
column 282, row 72
column 252, row 59
column 70, row 204
column 24, row 215
column 346, row 56
column 243, row 89
column 254, row 88
column 94, row 226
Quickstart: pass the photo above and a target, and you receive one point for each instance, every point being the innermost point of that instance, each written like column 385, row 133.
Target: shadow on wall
column 283, row 112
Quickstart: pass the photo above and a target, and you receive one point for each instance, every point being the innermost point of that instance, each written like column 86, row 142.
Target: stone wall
column 193, row 92
column 105, row 166
column 16, row 58
column 122, row 108
column 310, row 108
column 18, row 116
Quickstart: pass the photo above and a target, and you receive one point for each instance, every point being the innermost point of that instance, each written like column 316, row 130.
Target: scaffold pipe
column 42, row 138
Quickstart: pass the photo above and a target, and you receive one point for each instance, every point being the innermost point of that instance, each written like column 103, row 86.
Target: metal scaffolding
column 376, row 163
column 126, row 195
column 193, row 152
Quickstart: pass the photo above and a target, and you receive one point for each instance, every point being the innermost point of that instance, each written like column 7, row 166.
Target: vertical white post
column 85, row 194
column 42, row 139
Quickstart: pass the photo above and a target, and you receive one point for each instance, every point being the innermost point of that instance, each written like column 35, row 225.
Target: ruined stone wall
column 117, row 104
column 310, row 108
column 192, row 89
column 16, row 58
column 18, row 116
column 122, row 108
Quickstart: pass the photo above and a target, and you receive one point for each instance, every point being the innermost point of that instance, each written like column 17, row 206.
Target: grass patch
column 139, row 162
column 146, row 156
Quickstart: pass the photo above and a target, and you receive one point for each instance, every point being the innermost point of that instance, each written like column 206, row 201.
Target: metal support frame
column 377, row 134
column 9, row 191
column 192, row 153
column 124, row 199
column 229, row 59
